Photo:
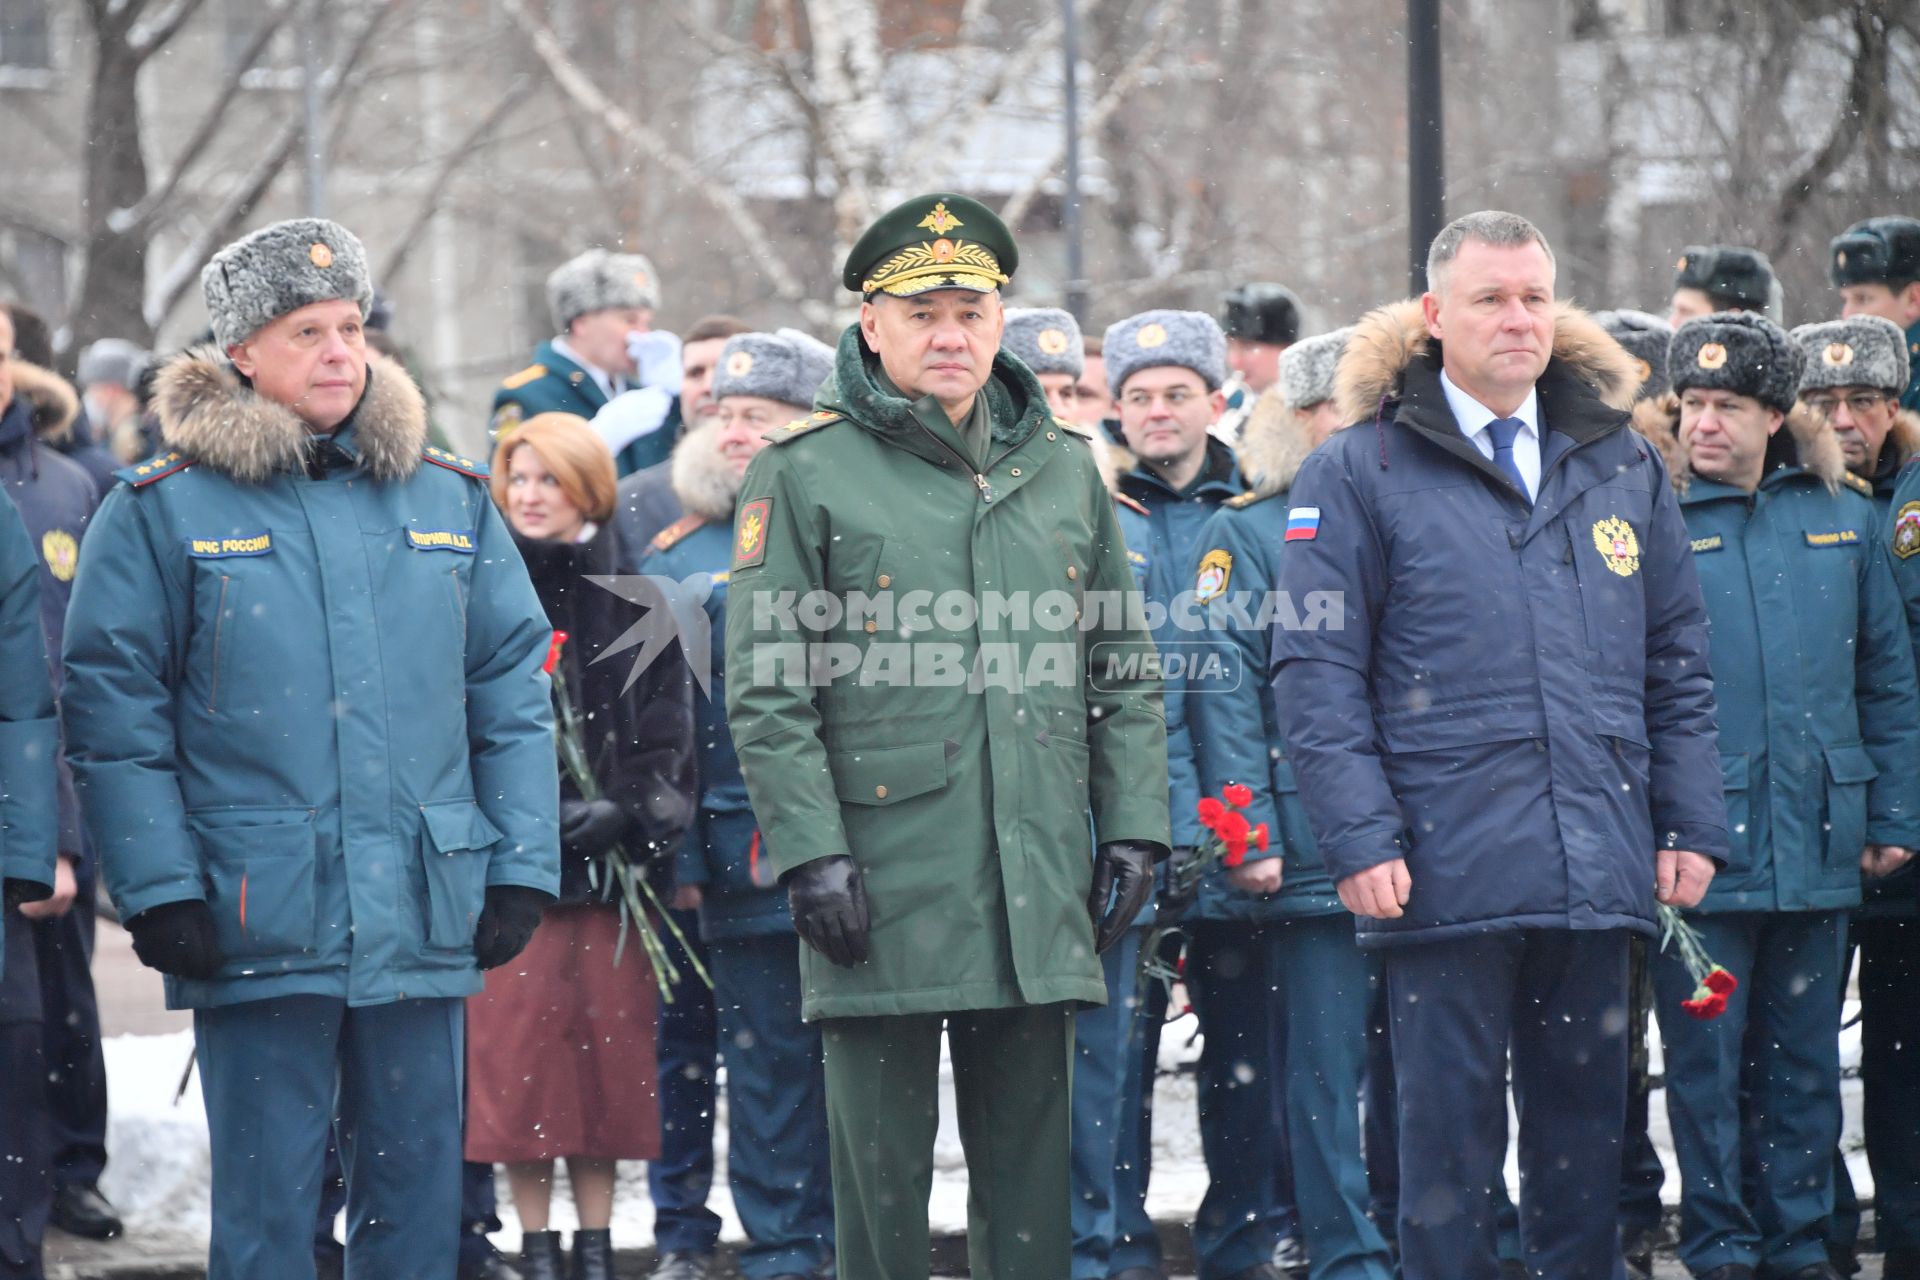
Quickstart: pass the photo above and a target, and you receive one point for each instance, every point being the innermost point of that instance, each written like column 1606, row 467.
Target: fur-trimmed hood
column 704, row 481
column 1814, row 448
column 1904, row 439
column 209, row 412
column 55, row 403
column 1273, row 444
column 1390, row 338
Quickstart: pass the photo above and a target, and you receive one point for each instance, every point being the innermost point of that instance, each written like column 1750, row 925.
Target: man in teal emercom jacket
column 306, row 712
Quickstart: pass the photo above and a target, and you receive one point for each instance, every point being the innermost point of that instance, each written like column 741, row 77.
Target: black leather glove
column 177, row 939
column 588, row 828
column 20, row 892
column 1124, row 871
column 506, row 923
column 829, row 902
column 1182, row 885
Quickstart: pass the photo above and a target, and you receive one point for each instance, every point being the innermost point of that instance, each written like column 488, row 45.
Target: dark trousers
column 779, row 1167
column 1327, row 996
column 1556, row 999
column 1012, row 1071
column 1380, row 1102
column 1890, row 1074
column 1136, row 1242
column 26, row 1187
column 1780, row 1032
column 1233, row 976
column 1641, row 1174
column 274, row 1073
column 681, row 1178
column 1106, row 1063
column 70, row 1029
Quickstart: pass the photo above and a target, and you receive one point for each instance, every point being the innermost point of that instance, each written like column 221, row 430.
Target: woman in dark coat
column 561, row 1060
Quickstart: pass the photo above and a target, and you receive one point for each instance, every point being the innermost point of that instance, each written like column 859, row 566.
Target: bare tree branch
column 1864, row 105
column 145, row 39
column 504, row 105
column 575, row 84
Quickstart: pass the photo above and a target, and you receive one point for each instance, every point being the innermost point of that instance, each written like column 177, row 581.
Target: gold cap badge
column 1682, row 264
column 1837, row 355
column 1151, row 336
column 1052, row 341
column 320, row 255
column 940, row 221
column 1645, row 369
column 1711, row 356
column 740, row 364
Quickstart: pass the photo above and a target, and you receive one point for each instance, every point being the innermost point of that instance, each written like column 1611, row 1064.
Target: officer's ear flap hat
column 1877, row 251
column 787, row 366
column 1046, row 339
column 942, row 240
column 1306, row 368
column 600, row 281
column 281, row 268
column 1730, row 274
column 1861, row 351
column 1187, row 339
column 1261, row 312
column 1646, row 339
column 1736, row 351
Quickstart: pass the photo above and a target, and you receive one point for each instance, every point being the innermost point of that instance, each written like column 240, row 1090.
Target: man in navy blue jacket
column 1498, row 707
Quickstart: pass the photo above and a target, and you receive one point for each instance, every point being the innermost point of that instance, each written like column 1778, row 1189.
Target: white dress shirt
column 1473, row 418
column 609, row 385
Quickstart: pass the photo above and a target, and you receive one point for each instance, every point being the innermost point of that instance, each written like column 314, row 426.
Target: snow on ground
column 159, row 1171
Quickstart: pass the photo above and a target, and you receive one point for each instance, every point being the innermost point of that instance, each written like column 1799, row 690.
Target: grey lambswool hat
column 1188, row 339
column 1046, row 339
column 281, row 268
column 1861, row 351
column 1646, row 338
column 787, row 366
column 1738, row 351
column 1306, row 368
column 600, row 281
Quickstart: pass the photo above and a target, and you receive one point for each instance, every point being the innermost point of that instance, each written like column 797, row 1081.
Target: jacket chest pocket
column 1734, row 787
column 259, row 882
column 456, row 839
column 245, row 603
column 1606, row 540
column 1849, row 770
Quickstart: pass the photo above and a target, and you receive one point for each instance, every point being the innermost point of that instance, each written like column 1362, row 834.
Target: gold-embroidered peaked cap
column 942, row 240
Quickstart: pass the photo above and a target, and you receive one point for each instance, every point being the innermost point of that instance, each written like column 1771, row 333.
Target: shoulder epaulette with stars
column 1131, row 503
column 1863, row 485
column 1241, row 501
column 800, row 426
column 454, row 462
column 154, row 468
column 674, row 532
column 532, row 373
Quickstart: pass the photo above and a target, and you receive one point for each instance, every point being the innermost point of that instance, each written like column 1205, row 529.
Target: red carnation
column 1720, row 982
column 1260, row 837
column 1706, row 1004
column 1211, row 811
column 1234, row 826
column 1237, row 794
column 1236, row 853
column 553, row 652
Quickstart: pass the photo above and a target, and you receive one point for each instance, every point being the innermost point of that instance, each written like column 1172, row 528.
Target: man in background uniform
column 1876, row 268
column 1260, row 321
column 1722, row 277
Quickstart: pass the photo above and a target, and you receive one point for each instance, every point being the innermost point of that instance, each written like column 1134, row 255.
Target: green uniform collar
column 971, row 435
column 1011, row 406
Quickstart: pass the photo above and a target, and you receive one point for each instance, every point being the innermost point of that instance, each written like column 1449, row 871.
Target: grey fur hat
column 1190, row 339
column 1306, row 368
column 111, row 360
column 1046, row 339
column 1737, row 351
column 1646, row 338
column 1861, row 351
column 281, row 268
column 600, row 281
column 787, row 366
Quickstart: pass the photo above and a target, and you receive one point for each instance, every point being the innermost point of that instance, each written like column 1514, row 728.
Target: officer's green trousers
column 1011, row 1074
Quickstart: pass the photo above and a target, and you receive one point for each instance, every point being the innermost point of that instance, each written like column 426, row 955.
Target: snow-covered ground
column 159, row 1172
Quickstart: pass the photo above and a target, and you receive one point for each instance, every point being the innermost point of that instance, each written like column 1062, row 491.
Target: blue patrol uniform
column 304, row 685
column 29, row 745
column 1465, row 634
column 1820, row 755
column 778, row 1166
column 1327, row 983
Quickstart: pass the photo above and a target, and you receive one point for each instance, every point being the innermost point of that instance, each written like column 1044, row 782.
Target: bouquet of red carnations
column 1712, row 983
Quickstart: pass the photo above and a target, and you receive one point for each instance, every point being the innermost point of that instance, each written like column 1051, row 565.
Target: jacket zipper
column 219, row 629
column 966, row 464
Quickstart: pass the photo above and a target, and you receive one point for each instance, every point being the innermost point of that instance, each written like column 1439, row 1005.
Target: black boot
column 540, row 1256
column 593, row 1255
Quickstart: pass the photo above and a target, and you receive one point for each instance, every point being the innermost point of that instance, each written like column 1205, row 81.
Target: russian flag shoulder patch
column 1303, row 524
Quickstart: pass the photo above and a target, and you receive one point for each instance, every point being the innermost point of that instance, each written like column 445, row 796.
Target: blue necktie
column 1503, row 430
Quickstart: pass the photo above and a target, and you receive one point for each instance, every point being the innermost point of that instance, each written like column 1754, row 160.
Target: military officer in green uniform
column 934, row 671
column 602, row 305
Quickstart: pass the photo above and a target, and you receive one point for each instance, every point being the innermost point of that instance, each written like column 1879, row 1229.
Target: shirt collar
column 1473, row 416
column 594, row 371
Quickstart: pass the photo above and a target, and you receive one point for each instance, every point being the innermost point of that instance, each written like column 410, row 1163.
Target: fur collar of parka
column 210, row 413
